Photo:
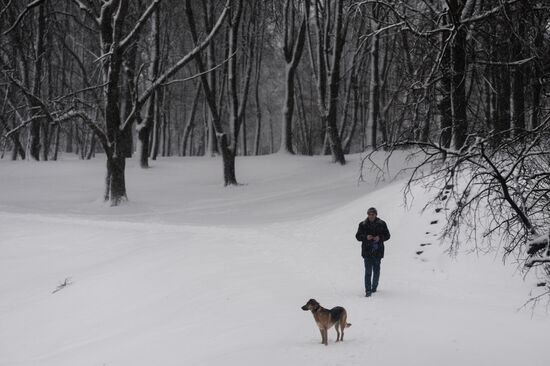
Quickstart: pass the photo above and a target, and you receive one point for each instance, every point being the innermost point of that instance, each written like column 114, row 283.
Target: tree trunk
column 374, row 92
column 445, row 109
column 258, row 73
column 157, row 125
column 56, row 142
column 144, row 128
column 536, row 80
column 292, row 50
column 258, row 132
column 212, row 142
column 328, row 69
column 37, row 83
column 115, row 183
column 356, row 106
column 18, row 148
column 227, row 154
column 288, row 111
column 458, row 91
column 191, row 121
column 228, row 158
column 518, row 101
column 69, row 138
column 165, row 130
column 91, row 148
column 503, row 122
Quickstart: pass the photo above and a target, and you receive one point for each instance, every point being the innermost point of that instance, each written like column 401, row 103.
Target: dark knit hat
column 372, row 210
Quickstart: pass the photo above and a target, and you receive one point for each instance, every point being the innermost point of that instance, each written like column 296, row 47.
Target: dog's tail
column 348, row 325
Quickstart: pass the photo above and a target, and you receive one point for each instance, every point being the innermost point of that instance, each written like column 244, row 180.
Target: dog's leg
column 337, row 327
column 325, row 336
column 322, row 336
column 343, row 322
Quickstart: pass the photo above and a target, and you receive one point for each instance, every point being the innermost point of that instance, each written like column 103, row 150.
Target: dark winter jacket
column 370, row 248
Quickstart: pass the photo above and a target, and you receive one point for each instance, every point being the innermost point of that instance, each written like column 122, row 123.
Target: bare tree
column 327, row 66
column 293, row 46
column 144, row 128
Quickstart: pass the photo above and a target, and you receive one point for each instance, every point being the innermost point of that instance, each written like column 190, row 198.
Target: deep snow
column 192, row 273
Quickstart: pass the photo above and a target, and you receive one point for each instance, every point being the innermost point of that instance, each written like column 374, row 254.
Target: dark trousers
column 372, row 269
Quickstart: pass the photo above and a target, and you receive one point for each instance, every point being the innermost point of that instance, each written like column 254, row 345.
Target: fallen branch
column 62, row 285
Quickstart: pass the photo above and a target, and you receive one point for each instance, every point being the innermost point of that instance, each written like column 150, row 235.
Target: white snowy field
column 192, row 273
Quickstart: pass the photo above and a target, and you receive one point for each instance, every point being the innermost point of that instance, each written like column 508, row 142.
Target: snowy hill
column 191, row 273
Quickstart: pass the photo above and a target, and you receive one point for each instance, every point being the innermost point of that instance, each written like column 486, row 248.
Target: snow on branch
column 535, row 246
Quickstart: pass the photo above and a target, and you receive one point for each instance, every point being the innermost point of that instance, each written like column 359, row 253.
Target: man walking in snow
column 372, row 233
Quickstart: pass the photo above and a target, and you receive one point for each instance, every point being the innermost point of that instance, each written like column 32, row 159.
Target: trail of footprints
column 423, row 246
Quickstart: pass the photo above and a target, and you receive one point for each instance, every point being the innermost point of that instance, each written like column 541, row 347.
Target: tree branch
column 31, row 5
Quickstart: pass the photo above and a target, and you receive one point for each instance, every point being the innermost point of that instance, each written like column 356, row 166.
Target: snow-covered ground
column 192, row 273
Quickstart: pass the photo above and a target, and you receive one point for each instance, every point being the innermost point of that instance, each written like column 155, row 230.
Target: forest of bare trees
column 243, row 77
column 467, row 81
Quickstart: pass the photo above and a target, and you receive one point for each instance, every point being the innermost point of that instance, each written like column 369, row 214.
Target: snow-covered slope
column 191, row 273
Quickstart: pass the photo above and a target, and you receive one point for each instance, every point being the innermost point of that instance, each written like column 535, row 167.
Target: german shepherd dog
column 325, row 319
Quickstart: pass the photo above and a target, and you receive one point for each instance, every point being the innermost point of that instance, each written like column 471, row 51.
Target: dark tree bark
column 537, row 70
column 190, row 126
column 445, row 109
column 374, row 91
column 327, row 70
column 144, row 128
column 236, row 108
column 208, row 87
column 56, row 142
column 458, row 81
column 257, row 77
column 293, row 46
column 37, row 82
column 18, row 149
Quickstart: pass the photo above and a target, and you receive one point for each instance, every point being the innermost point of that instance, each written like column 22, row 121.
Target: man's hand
column 370, row 237
column 376, row 238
